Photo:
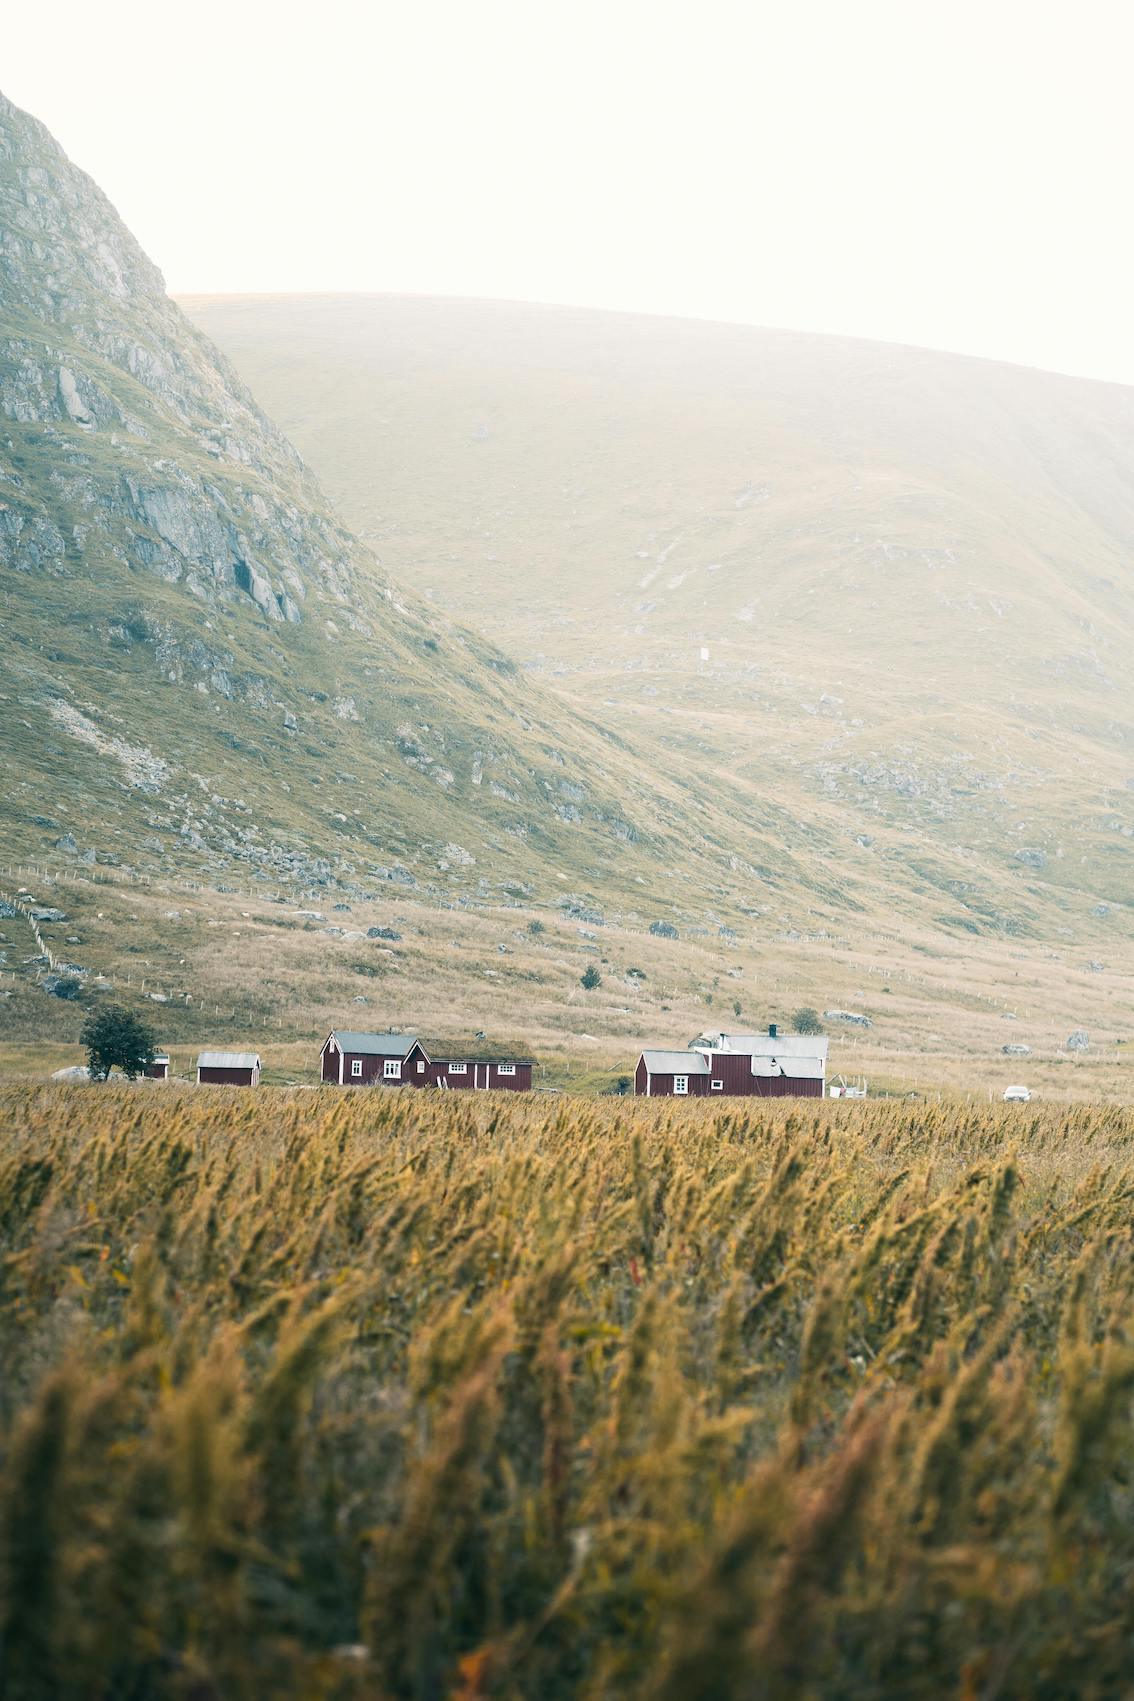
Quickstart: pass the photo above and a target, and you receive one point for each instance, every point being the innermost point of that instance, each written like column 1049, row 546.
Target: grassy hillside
column 247, row 968
column 384, row 1396
column 911, row 571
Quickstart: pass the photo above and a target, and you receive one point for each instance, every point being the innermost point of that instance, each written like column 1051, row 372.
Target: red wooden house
column 359, row 1060
column 491, row 1073
column 764, row 1066
column 392, row 1060
column 159, row 1067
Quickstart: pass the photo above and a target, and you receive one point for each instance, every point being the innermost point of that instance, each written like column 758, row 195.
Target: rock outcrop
column 201, row 654
column 158, row 455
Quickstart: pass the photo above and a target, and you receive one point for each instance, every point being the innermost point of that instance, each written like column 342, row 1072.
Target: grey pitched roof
column 676, row 1063
column 375, row 1045
column 228, row 1060
column 769, row 1045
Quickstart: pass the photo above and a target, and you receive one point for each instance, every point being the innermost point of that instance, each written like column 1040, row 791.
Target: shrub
column 590, row 978
column 371, row 970
column 806, row 1021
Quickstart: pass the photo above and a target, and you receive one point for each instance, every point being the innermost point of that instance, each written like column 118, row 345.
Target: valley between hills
column 555, row 618
column 267, row 972
column 566, row 876
column 888, row 592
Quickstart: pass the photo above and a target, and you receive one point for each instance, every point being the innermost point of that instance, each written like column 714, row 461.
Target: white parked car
column 1016, row 1095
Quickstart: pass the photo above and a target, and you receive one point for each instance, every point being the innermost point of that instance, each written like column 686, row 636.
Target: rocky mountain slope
column 202, row 671
column 201, row 667
column 892, row 589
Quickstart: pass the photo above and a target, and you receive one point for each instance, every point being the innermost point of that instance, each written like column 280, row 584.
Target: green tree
column 590, row 978
column 115, row 1038
column 806, row 1021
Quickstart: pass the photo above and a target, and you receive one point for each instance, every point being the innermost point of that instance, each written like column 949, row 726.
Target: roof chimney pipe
column 771, row 1030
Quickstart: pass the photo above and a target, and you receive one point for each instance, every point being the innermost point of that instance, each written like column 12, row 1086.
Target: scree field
column 320, row 1395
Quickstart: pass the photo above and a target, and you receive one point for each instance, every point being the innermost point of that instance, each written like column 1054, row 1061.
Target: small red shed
column 159, row 1067
column 228, row 1069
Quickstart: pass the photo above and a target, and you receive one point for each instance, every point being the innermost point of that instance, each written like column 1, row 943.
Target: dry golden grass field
column 393, row 1395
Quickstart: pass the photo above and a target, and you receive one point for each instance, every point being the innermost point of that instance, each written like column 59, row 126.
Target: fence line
column 14, row 901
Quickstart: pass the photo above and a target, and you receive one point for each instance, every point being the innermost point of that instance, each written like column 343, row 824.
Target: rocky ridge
column 108, row 376
column 200, row 665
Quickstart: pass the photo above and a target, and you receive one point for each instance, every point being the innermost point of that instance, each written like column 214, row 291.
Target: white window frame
column 356, row 1069
column 680, row 1086
column 716, row 1086
column 392, row 1069
column 420, row 1067
column 505, row 1068
column 456, row 1068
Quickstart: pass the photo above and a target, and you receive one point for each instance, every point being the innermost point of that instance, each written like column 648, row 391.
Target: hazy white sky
column 943, row 172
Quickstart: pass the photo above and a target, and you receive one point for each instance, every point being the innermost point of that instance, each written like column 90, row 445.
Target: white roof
column 675, row 1063
column 228, row 1060
column 768, row 1045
